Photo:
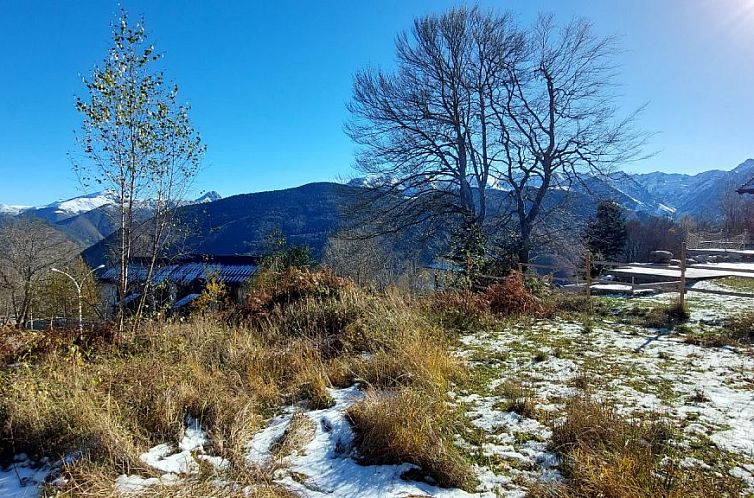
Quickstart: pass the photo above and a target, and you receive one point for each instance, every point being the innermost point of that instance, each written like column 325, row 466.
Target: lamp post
column 78, row 291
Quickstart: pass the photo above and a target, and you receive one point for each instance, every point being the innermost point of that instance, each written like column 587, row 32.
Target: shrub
column 566, row 302
column 511, row 297
column 741, row 327
column 519, row 399
column 276, row 296
column 409, row 426
column 295, row 284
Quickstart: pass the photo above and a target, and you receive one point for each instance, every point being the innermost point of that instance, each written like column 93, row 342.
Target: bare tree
column 425, row 131
column 138, row 142
column 653, row 234
column 560, row 118
column 367, row 261
column 28, row 248
column 737, row 212
column 477, row 101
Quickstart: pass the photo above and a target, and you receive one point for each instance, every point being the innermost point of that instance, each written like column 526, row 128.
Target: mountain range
column 308, row 214
column 89, row 218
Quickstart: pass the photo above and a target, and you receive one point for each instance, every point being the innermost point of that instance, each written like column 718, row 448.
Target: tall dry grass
column 608, row 455
column 408, row 426
column 299, row 334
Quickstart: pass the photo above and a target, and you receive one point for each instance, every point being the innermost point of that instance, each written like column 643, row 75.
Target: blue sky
column 268, row 81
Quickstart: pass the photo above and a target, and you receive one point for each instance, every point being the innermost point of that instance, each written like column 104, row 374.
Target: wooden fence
column 583, row 280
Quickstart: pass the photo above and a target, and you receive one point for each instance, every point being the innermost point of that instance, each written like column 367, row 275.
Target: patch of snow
column 13, row 209
column 327, row 465
column 22, row 480
column 173, row 462
column 84, row 203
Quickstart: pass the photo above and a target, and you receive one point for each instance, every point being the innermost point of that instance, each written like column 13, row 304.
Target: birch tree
column 138, row 142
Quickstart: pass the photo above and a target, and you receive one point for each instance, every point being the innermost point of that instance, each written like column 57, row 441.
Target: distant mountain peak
column 13, row 209
column 210, row 196
column 746, row 165
column 82, row 203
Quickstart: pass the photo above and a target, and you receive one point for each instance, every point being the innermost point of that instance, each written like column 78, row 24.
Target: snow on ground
column 172, row 462
column 23, row 479
column 708, row 392
column 326, row 464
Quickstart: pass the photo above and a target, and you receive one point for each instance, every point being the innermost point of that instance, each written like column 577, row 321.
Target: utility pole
column 78, row 292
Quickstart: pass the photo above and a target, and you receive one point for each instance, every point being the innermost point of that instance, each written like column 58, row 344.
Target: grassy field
column 316, row 387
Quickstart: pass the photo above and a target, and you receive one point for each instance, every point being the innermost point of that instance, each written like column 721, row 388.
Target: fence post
column 682, row 285
column 588, row 274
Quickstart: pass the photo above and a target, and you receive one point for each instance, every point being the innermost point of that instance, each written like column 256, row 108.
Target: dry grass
column 607, row 455
column 665, row 316
column 518, row 399
column 740, row 328
column 113, row 402
column 297, row 435
column 461, row 311
column 409, row 426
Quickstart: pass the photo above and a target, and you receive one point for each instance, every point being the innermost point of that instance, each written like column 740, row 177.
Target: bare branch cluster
column 478, row 102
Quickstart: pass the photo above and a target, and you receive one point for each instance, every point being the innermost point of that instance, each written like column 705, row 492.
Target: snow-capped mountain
column 82, row 204
column 68, row 208
column 699, row 195
column 210, row 196
column 13, row 210
column 87, row 219
column 618, row 187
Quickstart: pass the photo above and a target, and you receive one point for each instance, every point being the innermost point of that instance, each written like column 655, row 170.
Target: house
column 176, row 282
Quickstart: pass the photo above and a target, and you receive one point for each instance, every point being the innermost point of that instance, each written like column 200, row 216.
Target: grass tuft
column 605, row 454
column 409, row 426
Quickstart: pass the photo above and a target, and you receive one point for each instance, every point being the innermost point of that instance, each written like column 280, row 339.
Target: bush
column 510, row 296
column 519, row 399
column 409, row 426
column 295, row 284
column 741, row 327
column 665, row 316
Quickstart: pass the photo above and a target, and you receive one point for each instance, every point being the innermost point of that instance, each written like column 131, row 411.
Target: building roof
column 189, row 269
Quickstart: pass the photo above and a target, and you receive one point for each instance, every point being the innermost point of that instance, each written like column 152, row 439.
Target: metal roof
column 186, row 273
column 186, row 300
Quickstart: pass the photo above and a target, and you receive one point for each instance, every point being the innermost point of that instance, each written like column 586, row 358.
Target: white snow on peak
column 667, row 208
column 13, row 209
column 84, row 203
column 210, row 196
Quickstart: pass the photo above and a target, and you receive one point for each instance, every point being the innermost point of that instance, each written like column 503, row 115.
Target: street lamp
column 78, row 291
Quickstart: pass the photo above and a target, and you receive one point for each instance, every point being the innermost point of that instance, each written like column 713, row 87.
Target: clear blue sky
column 269, row 80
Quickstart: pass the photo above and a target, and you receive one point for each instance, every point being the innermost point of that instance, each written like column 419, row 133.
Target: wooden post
column 682, row 284
column 588, row 274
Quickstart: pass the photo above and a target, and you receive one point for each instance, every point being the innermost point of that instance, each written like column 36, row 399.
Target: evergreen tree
column 606, row 232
